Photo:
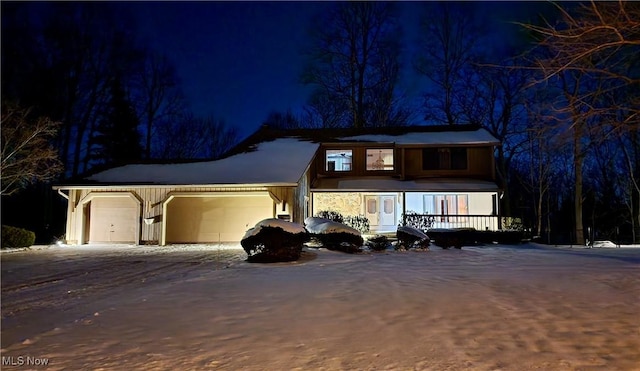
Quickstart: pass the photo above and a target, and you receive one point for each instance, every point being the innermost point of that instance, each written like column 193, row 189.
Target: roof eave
column 129, row 186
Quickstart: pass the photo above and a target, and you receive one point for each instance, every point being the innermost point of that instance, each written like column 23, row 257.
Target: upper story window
column 454, row 158
column 380, row 159
column 338, row 160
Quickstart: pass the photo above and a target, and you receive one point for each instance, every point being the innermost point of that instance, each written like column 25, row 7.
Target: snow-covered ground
column 203, row 307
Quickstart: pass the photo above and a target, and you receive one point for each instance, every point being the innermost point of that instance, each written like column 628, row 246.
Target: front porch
column 386, row 210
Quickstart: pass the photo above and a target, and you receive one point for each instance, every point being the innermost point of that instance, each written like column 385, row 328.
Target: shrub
column 333, row 235
column 457, row 238
column 514, row 224
column 378, row 242
column 341, row 241
column 359, row 223
column 268, row 242
column 17, row 237
column 409, row 237
column 418, row 221
column 331, row 215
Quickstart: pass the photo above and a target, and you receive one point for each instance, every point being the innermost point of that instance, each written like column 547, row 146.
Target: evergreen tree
column 116, row 139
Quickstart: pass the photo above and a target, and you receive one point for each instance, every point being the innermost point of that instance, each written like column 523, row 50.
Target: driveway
column 47, row 285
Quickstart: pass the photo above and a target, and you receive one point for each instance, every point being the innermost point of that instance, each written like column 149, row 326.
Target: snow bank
column 292, row 228
column 325, row 226
column 604, row 244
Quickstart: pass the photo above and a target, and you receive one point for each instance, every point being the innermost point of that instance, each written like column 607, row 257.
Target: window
column 454, row 158
column 444, row 205
column 379, row 159
column 371, row 206
column 338, row 160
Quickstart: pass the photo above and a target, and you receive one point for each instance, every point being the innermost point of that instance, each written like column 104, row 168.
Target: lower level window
column 447, row 208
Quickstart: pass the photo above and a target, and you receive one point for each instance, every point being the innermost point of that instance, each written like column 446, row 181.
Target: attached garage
column 214, row 217
column 111, row 218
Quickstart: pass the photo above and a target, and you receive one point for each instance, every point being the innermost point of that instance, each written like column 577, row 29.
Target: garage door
column 214, row 219
column 113, row 219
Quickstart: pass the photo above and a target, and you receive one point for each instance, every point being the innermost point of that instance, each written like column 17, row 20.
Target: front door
column 381, row 211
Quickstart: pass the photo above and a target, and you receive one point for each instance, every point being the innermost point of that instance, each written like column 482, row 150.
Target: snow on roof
column 282, row 161
column 292, row 228
column 395, row 185
column 480, row 136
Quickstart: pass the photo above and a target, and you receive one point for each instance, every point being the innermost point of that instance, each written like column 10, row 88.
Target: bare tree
column 497, row 99
column 632, row 186
column 194, row 138
column 600, row 39
column 159, row 96
column 353, row 61
column 27, row 156
column 321, row 111
column 541, row 170
column 449, row 41
column 281, row 120
column 592, row 53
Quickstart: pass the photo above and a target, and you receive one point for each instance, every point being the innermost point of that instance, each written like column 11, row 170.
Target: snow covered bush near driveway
column 334, row 236
column 378, row 242
column 274, row 240
column 409, row 237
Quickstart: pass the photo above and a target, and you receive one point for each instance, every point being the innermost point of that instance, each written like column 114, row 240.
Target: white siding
column 151, row 199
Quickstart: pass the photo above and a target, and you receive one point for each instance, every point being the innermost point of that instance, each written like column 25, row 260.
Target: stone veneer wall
column 349, row 203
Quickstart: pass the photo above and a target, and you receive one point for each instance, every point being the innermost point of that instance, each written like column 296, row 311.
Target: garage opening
column 214, row 218
column 111, row 218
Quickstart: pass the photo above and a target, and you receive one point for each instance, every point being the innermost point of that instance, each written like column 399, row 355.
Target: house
column 447, row 172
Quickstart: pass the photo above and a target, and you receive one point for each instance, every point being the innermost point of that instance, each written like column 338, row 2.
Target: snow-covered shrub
column 418, row 221
column 274, row 240
column 409, row 237
column 358, row 222
column 17, row 237
column 333, row 235
column 378, row 242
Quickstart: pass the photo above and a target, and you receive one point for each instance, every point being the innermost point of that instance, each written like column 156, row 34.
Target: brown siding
column 479, row 165
column 358, row 166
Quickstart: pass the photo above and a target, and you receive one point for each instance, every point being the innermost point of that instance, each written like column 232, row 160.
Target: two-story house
column 447, row 172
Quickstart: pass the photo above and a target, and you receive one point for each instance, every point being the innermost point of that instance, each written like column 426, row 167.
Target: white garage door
column 113, row 219
column 214, row 219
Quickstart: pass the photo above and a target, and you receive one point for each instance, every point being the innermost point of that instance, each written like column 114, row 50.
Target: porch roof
column 396, row 185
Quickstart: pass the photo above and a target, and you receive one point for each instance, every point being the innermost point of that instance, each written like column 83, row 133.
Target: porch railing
column 478, row 222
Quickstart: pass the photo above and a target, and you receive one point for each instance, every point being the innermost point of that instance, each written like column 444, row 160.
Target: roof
column 402, row 135
column 445, row 138
column 396, row 185
column 279, row 162
column 273, row 156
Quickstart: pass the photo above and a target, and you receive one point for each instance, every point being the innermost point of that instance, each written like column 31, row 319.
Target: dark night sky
column 240, row 60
